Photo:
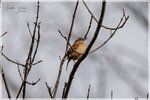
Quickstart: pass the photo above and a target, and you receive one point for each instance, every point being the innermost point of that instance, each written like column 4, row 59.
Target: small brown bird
column 76, row 50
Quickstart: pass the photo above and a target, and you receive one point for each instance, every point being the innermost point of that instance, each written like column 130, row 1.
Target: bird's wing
column 73, row 48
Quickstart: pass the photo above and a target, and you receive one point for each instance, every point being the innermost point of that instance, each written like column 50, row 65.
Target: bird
column 76, row 50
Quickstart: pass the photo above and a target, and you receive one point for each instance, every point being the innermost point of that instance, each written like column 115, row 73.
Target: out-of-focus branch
column 5, row 83
column 88, row 94
column 118, row 27
column 111, row 94
column 63, row 59
column 3, row 34
column 76, row 65
column 147, row 96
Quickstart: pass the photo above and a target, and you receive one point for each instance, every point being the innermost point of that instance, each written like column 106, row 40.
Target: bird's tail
column 68, row 64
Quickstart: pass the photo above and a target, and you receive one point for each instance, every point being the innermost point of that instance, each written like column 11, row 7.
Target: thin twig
column 33, row 83
column 88, row 27
column 19, row 72
column 63, row 59
column 49, row 90
column 30, row 58
column 3, row 34
column 58, row 77
column 72, row 23
column 88, row 94
column 110, row 28
column 11, row 60
column 76, row 65
column 112, row 33
column 5, row 83
column 37, row 62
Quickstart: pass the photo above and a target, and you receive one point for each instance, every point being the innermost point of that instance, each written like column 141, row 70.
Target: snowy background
column 121, row 65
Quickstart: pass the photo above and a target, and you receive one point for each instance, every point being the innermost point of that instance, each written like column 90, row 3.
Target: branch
column 19, row 72
column 3, row 34
column 33, row 83
column 37, row 62
column 49, row 90
column 65, row 85
column 11, row 60
column 30, row 58
column 118, row 27
column 63, row 59
column 97, row 20
column 6, row 86
column 88, row 27
column 75, row 67
column 72, row 23
column 88, row 94
column 30, row 31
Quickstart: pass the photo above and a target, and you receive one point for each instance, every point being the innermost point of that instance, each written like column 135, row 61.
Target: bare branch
column 30, row 58
column 88, row 94
column 88, row 27
column 89, row 11
column 63, row 59
column 76, row 65
column 58, row 77
column 33, row 83
column 6, row 86
column 118, row 27
column 11, row 60
column 49, row 90
column 72, row 23
column 65, row 85
column 3, row 34
column 37, row 62
column 19, row 72
column 110, row 28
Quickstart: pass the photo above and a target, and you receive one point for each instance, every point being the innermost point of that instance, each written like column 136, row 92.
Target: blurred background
column 120, row 66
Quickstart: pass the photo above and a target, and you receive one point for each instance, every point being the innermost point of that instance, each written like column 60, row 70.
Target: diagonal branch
column 11, row 60
column 88, row 27
column 88, row 94
column 3, row 34
column 118, row 27
column 72, row 23
column 110, row 28
column 5, row 83
column 49, row 90
column 63, row 59
column 75, row 67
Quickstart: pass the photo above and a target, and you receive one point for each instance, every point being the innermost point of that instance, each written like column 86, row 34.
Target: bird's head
column 80, row 39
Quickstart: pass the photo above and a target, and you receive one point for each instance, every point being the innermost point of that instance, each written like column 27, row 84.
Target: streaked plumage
column 78, row 48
